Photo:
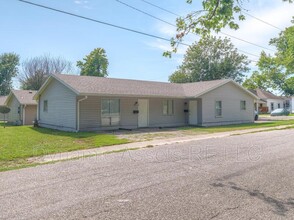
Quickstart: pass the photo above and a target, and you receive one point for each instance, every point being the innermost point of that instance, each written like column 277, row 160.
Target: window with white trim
column 168, row 107
column 218, row 109
column 110, row 112
column 243, row 105
column 45, row 106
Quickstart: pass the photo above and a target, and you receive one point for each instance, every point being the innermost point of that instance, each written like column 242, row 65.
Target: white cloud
column 83, row 3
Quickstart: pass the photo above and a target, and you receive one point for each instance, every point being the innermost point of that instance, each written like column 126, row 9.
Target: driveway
column 239, row 177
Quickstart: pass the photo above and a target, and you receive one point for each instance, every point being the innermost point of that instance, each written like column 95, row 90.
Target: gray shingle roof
column 2, row 100
column 262, row 94
column 110, row 86
column 25, row 97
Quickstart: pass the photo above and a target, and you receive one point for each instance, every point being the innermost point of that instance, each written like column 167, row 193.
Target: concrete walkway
column 144, row 144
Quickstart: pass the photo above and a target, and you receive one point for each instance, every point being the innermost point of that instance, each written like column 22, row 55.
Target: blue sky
column 31, row 31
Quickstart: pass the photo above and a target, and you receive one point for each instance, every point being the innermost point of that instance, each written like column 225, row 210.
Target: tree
column 210, row 59
column 95, row 64
column 8, row 69
column 276, row 71
column 213, row 17
column 4, row 110
column 258, row 80
column 36, row 70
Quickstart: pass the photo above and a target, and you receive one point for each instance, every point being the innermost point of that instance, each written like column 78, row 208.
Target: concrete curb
column 144, row 144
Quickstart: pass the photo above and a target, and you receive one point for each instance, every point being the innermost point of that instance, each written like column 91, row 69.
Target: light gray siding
column 90, row 113
column 30, row 114
column 61, row 112
column 127, row 117
column 158, row 119
column 15, row 113
column 231, row 96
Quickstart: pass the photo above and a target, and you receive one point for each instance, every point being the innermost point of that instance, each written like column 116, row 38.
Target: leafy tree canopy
column 94, row 64
column 8, row 69
column 210, row 59
column 276, row 72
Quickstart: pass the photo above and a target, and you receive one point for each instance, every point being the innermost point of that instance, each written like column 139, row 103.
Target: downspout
column 24, row 114
column 78, row 113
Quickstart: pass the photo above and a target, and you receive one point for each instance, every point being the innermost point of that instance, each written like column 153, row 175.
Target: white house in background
column 268, row 101
column 79, row 103
column 23, row 108
column 2, row 101
column 289, row 103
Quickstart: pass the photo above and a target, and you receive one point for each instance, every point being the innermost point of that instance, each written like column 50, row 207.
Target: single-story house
column 80, row 103
column 23, row 108
column 289, row 103
column 2, row 101
column 268, row 102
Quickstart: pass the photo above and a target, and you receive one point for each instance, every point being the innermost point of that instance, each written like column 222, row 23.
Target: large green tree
column 94, row 64
column 211, row 58
column 36, row 70
column 213, row 17
column 277, row 71
column 8, row 69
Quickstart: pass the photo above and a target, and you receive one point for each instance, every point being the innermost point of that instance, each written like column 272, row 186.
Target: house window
column 218, row 108
column 272, row 106
column 279, row 105
column 168, row 107
column 243, row 105
column 45, row 106
column 110, row 112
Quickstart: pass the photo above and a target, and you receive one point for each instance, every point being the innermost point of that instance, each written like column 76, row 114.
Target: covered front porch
column 110, row 113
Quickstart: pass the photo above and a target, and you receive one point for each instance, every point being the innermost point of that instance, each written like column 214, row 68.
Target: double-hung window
column 243, row 105
column 45, row 106
column 272, row 106
column 218, row 109
column 168, row 107
column 110, row 112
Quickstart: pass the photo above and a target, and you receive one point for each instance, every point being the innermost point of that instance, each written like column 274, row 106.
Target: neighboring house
column 289, row 103
column 79, row 103
column 268, row 101
column 23, row 108
column 2, row 101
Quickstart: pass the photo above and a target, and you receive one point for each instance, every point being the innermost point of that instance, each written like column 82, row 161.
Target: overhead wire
column 229, row 35
column 98, row 21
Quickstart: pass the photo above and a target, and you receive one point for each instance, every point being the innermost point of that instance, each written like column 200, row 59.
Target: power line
column 143, row 12
column 150, row 15
column 263, row 21
column 100, row 22
column 163, row 9
column 237, row 38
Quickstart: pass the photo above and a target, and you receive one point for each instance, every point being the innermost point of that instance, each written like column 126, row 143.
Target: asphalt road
column 239, row 177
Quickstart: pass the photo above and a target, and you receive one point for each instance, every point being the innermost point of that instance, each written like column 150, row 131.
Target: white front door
column 193, row 112
column 143, row 116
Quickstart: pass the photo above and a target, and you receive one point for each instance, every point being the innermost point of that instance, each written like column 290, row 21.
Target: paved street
column 239, row 177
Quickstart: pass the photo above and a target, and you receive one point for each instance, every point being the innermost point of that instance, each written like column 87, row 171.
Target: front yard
column 19, row 143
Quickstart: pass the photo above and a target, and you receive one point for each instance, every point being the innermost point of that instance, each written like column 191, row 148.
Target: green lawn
column 17, row 143
column 238, row 127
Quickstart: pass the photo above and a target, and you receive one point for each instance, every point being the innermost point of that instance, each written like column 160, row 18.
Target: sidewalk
column 144, row 144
